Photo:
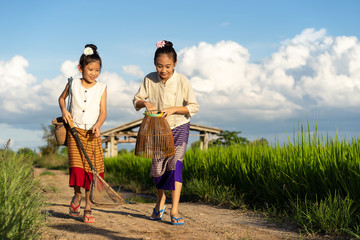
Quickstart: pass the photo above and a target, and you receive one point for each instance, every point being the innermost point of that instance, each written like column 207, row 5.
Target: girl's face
column 90, row 72
column 165, row 66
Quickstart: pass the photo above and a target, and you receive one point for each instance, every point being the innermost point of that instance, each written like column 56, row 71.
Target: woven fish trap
column 155, row 138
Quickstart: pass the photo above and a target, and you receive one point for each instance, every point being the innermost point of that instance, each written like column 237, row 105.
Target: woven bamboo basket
column 59, row 131
column 155, row 138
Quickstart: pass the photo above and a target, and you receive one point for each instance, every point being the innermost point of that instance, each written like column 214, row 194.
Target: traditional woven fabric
column 92, row 147
column 171, row 168
column 160, row 165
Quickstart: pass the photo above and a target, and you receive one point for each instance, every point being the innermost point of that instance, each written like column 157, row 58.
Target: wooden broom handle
column 71, row 124
column 74, row 133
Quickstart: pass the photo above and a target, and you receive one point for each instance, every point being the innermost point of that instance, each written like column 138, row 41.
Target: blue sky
column 260, row 67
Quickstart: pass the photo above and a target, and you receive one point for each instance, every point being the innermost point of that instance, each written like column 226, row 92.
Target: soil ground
column 131, row 221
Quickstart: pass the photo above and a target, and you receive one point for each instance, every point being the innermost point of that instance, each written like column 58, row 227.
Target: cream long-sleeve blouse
column 175, row 92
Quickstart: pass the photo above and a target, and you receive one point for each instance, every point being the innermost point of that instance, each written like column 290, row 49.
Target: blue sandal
column 177, row 219
column 161, row 212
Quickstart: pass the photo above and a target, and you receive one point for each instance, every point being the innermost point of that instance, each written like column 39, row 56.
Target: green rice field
column 312, row 181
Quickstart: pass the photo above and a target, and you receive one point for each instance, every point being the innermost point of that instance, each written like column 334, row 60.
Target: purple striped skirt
column 175, row 163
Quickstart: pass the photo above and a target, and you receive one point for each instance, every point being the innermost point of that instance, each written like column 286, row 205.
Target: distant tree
column 227, row 138
column 51, row 145
column 261, row 141
column 26, row 151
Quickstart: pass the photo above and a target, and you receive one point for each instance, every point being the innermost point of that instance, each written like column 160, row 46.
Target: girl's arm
column 65, row 113
column 190, row 99
column 175, row 110
column 191, row 105
column 102, row 115
column 140, row 96
column 148, row 105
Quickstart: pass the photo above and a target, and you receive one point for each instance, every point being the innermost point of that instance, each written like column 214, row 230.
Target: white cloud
column 133, row 70
column 120, row 93
column 311, row 70
column 225, row 81
column 69, row 68
column 218, row 67
column 13, row 73
column 16, row 86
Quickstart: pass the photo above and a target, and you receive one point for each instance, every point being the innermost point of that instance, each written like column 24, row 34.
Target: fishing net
column 102, row 194
column 155, row 138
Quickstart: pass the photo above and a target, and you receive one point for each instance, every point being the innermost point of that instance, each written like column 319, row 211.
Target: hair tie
column 88, row 51
column 160, row 44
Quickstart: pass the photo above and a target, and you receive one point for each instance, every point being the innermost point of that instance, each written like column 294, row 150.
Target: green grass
column 312, row 180
column 20, row 198
column 129, row 172
column 332, row 215
column 47, row 173
column 53, row 161
column 321, row 172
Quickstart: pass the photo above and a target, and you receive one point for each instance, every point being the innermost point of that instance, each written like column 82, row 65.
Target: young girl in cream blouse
column 171, row 93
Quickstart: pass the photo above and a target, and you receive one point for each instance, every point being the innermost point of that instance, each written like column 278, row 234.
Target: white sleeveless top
column 85, row 103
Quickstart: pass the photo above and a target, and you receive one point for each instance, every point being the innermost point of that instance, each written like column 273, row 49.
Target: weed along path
column 131, row 221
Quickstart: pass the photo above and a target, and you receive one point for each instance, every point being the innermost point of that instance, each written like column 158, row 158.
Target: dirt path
column 131, row 221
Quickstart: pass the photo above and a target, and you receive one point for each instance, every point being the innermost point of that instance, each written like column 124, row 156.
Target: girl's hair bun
column 87, row 58
column 168, row 44
column 165, row 47
column 92, row 46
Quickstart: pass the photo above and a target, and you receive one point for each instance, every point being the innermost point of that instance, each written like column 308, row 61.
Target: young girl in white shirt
column 88, row 112
column 171, row 93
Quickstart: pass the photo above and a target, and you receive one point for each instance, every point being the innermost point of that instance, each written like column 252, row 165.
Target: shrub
column 20, row 198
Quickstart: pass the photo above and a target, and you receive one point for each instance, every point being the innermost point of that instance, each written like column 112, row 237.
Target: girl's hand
column 169, row 111
column 96, row 131
column 150, row 107
column 66, row 116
